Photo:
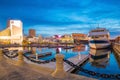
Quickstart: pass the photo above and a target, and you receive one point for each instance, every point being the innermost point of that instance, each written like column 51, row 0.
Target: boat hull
column 99, row 44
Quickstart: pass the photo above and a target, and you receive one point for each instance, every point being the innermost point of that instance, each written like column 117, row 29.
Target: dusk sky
column 49, row 17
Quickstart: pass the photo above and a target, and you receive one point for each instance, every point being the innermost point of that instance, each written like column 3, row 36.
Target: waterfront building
column 36, row 39
column 66, row 39
column 79, row 37
column 32, row 33
column 47, row 40
column 33, row 39
column 56, row 38
column 13, row 34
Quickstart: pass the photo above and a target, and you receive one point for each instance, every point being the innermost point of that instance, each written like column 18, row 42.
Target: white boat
column 99, row 38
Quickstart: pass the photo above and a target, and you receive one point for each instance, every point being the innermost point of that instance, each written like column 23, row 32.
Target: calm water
column 102, row 61
column 68, row 53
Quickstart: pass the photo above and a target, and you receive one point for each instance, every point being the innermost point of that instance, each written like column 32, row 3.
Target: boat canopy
column 97, row 33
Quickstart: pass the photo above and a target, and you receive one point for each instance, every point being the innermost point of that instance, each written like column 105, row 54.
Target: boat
column 99, row 38
column 99, row 52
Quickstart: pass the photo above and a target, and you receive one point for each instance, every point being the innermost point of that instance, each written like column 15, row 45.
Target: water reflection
column 68, row 53
column 117, row 56
column 99, row 58
column 79, row 48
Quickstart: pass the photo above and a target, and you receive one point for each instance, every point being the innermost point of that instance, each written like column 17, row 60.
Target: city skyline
column 51, row 17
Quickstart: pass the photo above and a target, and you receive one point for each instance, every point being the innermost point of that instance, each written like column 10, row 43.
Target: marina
column 60, row 40
column 94, row 60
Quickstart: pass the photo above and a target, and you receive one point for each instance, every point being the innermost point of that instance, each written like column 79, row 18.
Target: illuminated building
column 66, row 39
column 79, row 38
column 13, row 34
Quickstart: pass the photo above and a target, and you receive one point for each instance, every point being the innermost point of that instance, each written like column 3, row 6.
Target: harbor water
column 102, row 61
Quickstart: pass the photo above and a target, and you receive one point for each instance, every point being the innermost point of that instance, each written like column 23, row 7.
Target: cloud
column 52, row 30
column 51, row 17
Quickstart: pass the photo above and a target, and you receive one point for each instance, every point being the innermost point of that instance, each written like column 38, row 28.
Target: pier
column 77, row 60
column 41, row 55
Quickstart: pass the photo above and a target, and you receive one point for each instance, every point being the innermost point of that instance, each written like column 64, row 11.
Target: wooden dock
column 41, row 55
column 77, row 60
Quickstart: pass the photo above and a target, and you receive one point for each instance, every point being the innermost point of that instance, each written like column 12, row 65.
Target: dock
column 41, row 55
column 77, row 60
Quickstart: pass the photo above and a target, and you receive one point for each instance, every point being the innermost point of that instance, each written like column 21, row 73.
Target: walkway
column 10, row 71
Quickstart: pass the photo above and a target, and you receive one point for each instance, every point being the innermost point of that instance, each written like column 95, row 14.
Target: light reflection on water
column 68, row 53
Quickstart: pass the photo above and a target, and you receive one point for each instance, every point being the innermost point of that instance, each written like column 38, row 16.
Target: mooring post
column 59, row 71
column 20, row 58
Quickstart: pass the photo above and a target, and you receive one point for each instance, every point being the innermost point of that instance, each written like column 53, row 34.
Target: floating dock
column 41, row 55
column 77, row 60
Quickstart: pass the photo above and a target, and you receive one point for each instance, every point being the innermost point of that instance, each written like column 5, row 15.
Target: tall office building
column 32, row 33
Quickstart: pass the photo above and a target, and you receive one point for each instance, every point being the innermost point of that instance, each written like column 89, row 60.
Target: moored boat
column 99, row 38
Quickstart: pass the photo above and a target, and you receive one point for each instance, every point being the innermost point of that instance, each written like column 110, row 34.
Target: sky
column 51, row 17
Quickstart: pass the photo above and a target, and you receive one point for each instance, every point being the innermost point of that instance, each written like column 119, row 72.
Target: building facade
column 13, row 34
column 32, row 33
column 79, row 38
column 66, row 39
